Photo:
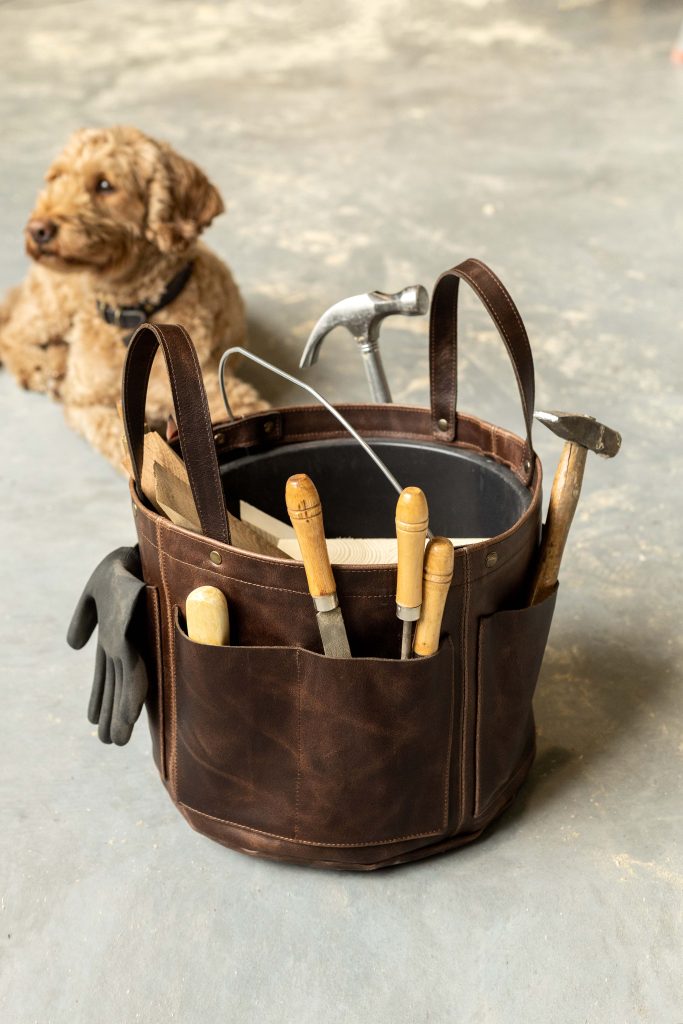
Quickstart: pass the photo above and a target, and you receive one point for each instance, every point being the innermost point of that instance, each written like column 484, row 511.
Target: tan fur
column 122, row 248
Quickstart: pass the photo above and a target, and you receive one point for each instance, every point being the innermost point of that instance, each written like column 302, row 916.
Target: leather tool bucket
column 268, row 746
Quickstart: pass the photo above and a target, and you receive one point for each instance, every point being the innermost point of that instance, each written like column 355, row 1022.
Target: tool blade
column 406, row 640
column 333, row 634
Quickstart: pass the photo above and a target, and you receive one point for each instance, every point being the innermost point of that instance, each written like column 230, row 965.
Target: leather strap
column 443, row 346
column 192, row 416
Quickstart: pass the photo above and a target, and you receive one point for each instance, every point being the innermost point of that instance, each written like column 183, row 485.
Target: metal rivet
column 527, row 465
column 442, row 424
column 491, row 559
column 215, row 557
column 219, row 438
column 268, row 427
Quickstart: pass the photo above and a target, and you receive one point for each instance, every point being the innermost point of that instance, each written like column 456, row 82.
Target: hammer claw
column 362, row 315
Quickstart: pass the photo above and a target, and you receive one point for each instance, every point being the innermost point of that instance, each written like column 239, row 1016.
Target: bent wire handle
column 316, row 394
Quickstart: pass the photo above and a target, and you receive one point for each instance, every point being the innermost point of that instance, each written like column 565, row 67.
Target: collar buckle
column 130, row 317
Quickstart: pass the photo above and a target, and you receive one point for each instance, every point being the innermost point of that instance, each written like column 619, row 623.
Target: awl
column 306, row 515
column 412, row 521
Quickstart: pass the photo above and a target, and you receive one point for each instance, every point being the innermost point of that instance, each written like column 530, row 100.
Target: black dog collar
column 130, row 317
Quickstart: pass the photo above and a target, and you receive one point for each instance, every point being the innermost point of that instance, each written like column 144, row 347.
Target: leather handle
column 443, row 346
column 192, row 417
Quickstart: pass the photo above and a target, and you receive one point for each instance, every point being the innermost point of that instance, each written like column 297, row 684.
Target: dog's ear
column 181, row 201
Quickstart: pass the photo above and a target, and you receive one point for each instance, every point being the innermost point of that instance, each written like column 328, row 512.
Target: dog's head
column 112, row 198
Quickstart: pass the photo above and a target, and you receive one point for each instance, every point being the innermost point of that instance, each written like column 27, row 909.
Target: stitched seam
column 279, row 590
column 147, row 369
column 181, row 430
column 213, row 462
column 172, row 766
column 449, row 752
column 452, row 406
column 124, row 391
column 298, row 759
column 310, row 842
column 479, row 701
column 432, row 355
column 492, row 312
column 521, row 769
column 504, row 292
column 491, row 542
column 465, row 673
column 378, row 432
column 451, row 413
column 156, row 624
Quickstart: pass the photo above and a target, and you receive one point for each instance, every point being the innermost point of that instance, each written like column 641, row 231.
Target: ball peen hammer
column 362, row 316
column 581, row 434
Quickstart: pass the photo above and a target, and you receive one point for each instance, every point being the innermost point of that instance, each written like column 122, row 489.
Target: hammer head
column 362, row 316
column 582, row 430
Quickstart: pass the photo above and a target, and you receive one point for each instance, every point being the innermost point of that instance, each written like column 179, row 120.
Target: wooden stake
column 206, row 614
column 174, row 499
column 438, row 574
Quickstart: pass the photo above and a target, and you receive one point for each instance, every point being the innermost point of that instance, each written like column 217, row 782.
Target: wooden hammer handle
column 564, row 498
column 306, row 515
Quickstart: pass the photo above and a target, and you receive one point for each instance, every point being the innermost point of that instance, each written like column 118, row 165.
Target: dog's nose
column 41, row 231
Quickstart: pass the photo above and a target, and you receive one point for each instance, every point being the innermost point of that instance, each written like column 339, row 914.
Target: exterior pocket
column 511, row 648
column 324, row 751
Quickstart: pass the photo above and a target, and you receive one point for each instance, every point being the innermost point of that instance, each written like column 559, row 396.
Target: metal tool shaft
column 316, row 394
column 375, row 375
column 406, row 640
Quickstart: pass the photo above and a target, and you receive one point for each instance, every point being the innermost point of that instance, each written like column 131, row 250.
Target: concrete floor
column 371, row 145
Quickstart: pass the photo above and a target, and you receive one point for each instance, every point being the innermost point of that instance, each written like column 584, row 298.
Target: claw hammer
column 581, row 434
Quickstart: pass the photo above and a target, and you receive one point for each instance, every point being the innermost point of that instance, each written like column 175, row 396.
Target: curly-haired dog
column 114, row 239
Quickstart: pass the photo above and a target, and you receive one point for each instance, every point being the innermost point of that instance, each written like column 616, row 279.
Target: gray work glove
column 111, row 601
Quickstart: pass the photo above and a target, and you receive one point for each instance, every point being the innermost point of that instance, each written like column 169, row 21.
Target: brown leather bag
column 273, row 749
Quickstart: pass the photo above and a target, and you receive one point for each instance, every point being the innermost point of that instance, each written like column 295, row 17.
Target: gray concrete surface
column 371, row 145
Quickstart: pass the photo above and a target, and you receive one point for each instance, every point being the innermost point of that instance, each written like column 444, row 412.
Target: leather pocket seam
column 442, row 801
column 525, row 639
column 158, row 665
column 311, row 842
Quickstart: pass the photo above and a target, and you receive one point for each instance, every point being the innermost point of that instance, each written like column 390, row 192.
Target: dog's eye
column 103, row 185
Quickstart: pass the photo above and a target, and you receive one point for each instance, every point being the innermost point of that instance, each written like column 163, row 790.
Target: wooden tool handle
column 206, row 614
column 563, row 501
column 306, row 515
column 438, row 574
column 412, row 520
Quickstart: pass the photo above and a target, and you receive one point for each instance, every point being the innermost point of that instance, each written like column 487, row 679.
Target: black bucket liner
column 469, row 494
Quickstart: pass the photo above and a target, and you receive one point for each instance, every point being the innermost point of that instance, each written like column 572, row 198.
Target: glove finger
column 135, row 676
column 97, row 690
column 83, row 621
column 104, row 728
column 120, row 728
